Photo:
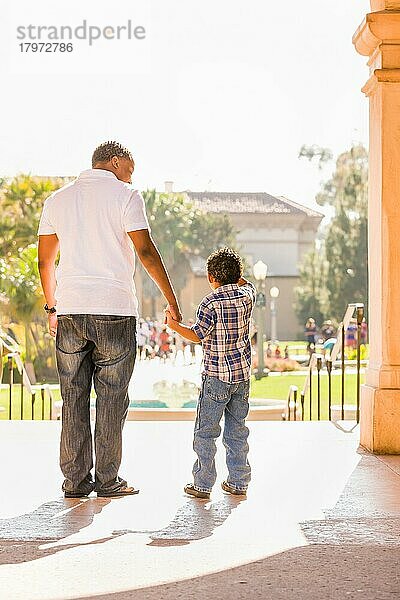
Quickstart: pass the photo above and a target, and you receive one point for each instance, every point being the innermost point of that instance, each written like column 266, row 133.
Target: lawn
column 27, row 404
column 278, row 387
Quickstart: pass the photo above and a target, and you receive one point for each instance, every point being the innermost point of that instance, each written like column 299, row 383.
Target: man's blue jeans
column 230, row 400
column 102, row 349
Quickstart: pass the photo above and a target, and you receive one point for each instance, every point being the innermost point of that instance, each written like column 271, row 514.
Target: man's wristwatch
column 49, row 311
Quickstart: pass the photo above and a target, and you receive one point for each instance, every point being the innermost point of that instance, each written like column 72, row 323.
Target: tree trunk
column 28, row 345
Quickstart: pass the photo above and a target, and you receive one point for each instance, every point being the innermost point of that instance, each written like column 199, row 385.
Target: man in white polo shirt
column 92, row 310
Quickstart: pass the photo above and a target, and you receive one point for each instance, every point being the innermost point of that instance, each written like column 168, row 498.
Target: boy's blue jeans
column 231, row 400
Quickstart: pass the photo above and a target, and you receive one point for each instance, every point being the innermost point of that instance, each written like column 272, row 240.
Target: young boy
column 223, row 328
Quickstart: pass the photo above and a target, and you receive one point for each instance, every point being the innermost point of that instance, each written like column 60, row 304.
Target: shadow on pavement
column 195, row 520
column 22, row 537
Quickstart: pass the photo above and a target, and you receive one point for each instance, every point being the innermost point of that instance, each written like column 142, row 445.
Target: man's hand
column 53, row 324
column 174, row 311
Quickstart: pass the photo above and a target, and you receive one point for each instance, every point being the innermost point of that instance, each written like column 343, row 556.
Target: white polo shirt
column 91, row 217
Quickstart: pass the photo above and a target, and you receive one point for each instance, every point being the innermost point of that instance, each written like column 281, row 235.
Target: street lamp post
column 274, row 293
column 260, row 270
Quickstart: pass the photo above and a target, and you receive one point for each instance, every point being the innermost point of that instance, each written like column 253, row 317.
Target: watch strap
column 51, row 310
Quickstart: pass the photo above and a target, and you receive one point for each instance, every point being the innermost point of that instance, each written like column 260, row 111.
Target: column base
column 380, row 420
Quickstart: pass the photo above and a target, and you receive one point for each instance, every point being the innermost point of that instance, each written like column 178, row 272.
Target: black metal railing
column 318, row 364
column 25, row 401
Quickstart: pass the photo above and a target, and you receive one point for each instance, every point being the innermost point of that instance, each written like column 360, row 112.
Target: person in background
column 328, row 346
column 327, row 330
column 364, row 332
column 351, row 335
column 142, row 338
column 310, row 334
column 192, row 345
column 164, row 343
column 154, row 338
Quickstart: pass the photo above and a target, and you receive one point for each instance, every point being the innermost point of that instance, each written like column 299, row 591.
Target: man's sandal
column 123, row 491
column 231, row 490
column 76, row 494
column 191, row 490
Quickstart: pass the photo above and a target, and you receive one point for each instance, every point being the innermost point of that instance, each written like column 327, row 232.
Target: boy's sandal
column 123, row 491
column 191, row 490
column 231, row 490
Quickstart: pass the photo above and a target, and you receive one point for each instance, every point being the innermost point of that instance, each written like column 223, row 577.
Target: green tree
column 338, row 273
column 311, row 294
column 181, row 231
column 20, row 284
column 346, row 245
column 316, row 153
column 21, row 201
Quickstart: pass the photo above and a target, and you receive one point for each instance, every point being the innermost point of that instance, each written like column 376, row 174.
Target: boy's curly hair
column 225, row 265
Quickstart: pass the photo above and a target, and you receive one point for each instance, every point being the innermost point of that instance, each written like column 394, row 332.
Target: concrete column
column 378, row 37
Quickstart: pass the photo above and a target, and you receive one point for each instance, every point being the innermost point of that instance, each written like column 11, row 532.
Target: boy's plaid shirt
column 223, row 326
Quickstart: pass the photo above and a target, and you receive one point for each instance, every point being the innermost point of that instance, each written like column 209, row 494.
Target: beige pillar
column 378, row 37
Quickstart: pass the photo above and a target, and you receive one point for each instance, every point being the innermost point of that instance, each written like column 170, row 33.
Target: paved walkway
column 321, row 520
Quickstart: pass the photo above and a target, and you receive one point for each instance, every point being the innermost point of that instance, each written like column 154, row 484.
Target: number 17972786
column 45, row 47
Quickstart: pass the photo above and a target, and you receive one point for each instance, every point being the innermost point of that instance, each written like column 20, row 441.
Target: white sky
column 219, row 96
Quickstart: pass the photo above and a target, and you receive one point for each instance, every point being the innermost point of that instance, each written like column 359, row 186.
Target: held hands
column 183, row 330
column 175, row 313
column 169, row 319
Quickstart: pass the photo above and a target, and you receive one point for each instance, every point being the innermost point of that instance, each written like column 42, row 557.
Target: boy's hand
column 169, row 320
column 183, row 330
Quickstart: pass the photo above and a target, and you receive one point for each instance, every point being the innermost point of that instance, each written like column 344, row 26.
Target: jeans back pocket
column 115, row 336
column 217, row 390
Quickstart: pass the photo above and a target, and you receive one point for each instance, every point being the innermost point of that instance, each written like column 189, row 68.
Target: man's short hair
column 225, row 265
column 107, row 150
